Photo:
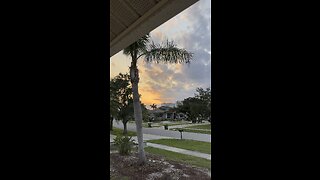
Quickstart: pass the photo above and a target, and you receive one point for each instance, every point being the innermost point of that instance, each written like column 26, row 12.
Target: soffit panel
column 131, row 19
column 122, row 12
column 141, row 6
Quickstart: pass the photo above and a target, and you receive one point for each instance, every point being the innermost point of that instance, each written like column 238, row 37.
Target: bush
column 124, row 144
column 166, row 126
column 157, row 119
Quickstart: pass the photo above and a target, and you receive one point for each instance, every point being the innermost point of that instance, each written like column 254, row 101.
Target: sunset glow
column 168, row 83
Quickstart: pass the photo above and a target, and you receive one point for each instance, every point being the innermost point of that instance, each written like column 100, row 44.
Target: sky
column 168, row 83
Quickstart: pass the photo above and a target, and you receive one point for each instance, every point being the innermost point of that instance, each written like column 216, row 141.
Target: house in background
column 172, row 105
column 166, row 113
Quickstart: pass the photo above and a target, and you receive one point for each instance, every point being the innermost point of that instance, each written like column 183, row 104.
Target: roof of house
column 156, row 111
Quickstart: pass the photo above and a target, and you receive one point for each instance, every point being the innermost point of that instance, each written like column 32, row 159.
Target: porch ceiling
column 131, row 19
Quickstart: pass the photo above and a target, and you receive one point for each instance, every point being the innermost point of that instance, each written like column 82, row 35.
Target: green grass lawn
column 172, row 124
column 160, row 124
column 145, row 125
column 204, row 147
column 204, row 126
column 118, row 131
column 175, row 124
column 192, row 130
column 187, row 159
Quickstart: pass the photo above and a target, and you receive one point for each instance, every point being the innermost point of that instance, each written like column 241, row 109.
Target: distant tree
column 192, row 107
column 205, row 97
column 153, row 106
column 125, row 114
column 204, row 94
column 197, row 107
column 145, row 113
column 122, row 98
column 114, row 103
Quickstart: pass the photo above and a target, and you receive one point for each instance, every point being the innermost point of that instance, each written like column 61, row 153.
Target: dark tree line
column 197, row 108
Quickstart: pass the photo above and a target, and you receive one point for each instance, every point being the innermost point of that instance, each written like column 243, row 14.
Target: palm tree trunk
column 111, row 123
column 134, row 75
column 125, row 127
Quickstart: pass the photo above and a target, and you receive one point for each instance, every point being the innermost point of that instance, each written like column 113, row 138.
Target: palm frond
column 167, row 53
column 139, row 47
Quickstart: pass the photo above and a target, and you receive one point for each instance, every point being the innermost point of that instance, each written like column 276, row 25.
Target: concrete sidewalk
column 196, row 129
column 182, row 151
column 168, row 148
column 146, row 137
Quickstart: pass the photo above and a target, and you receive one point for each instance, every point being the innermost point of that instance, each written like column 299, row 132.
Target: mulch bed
column 126, row 167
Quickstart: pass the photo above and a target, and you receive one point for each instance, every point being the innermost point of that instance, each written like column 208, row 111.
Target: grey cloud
column 197, row 39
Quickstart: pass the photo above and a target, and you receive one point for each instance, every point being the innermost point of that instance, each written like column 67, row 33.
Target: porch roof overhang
column 130, row 20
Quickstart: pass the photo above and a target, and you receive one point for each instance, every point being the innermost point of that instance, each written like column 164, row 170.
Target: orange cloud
column 149, row 97
column 120, row 63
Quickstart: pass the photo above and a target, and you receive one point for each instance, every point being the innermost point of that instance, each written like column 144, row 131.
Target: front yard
column 161, row 164
column 203, row 126
column 119, row 132
column 182, row 158
column 161, row 124
column 192, row 130
column 204, row 147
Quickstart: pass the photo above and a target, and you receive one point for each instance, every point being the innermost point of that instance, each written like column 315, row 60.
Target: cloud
column 160, row 83
column 192, row 32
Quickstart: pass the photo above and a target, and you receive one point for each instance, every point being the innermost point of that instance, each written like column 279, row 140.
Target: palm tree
column 168, row 53
column 153, row 106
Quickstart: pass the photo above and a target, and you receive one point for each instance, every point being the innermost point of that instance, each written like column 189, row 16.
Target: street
column 166, row 133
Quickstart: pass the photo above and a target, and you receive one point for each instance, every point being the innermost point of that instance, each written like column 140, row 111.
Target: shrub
column 166, row 126
column 157, row 119
column 124, row 144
